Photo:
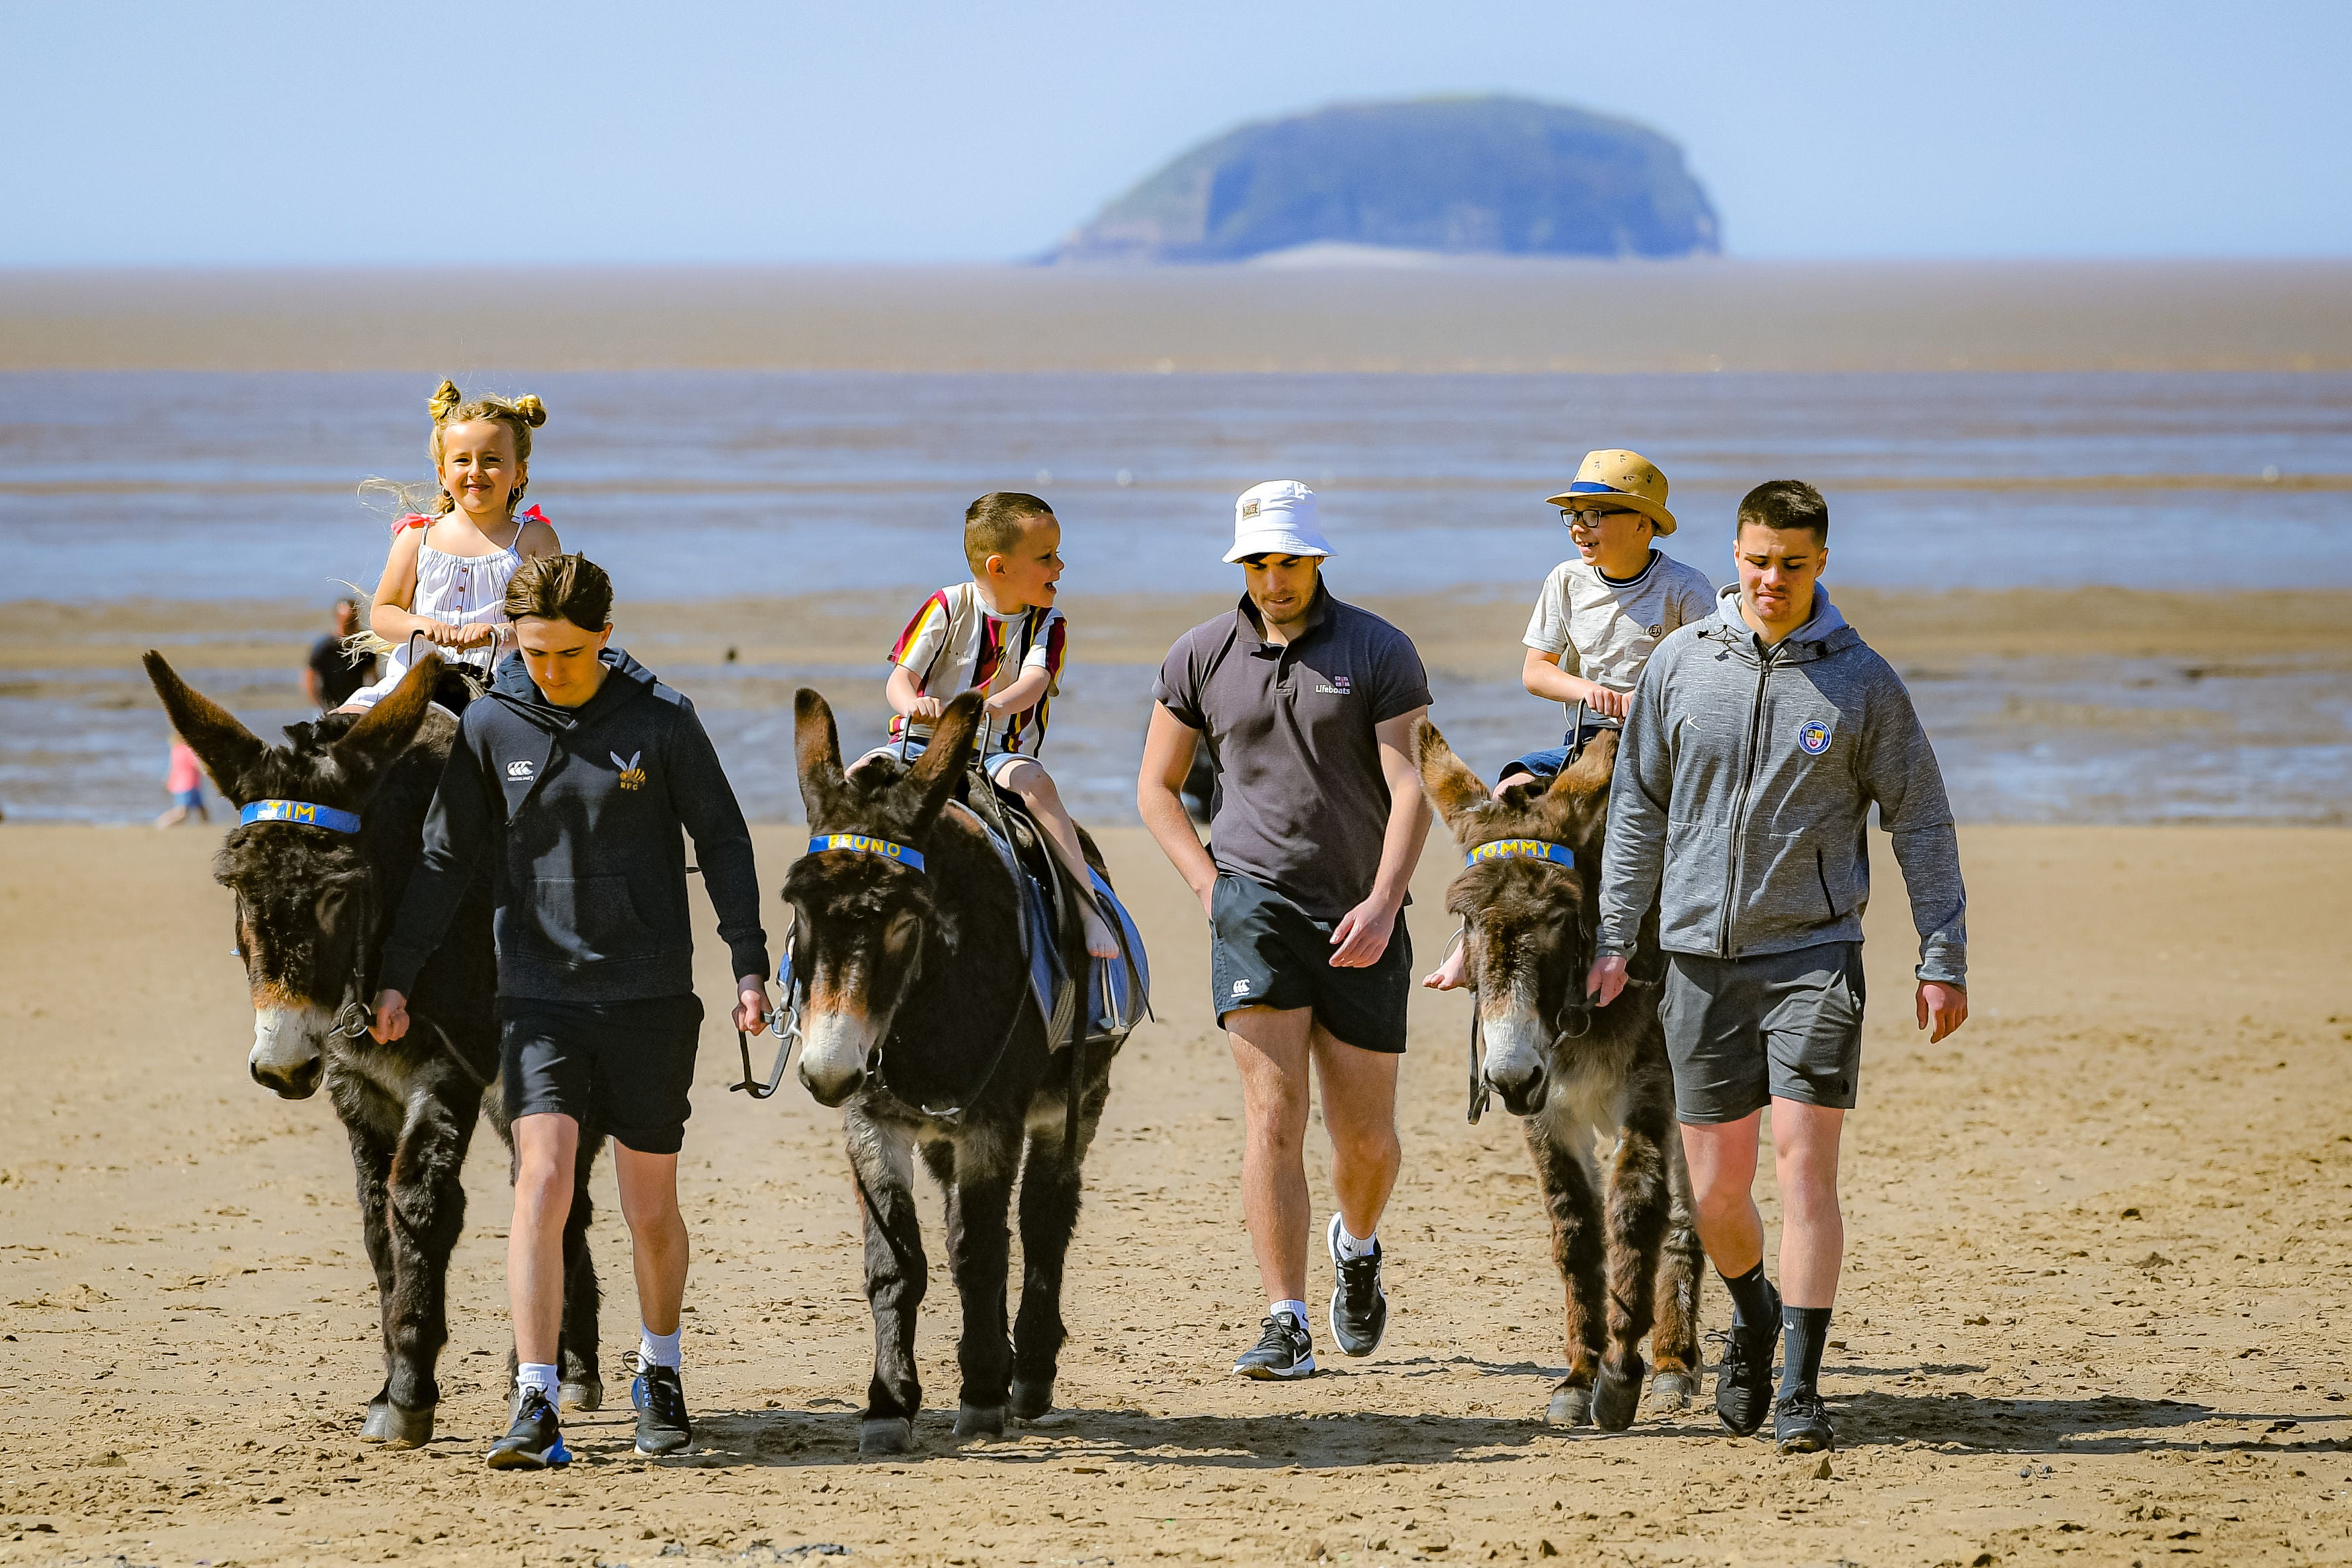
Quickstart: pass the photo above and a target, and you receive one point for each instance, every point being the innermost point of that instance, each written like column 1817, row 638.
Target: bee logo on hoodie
column 632, row 776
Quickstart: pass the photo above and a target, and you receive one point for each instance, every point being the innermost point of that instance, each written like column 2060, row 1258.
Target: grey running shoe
column 1359, row 1308
column 1283, row 1351
column 1743, row 1379
column 662, row 1426
column 1801, row 1424
column 534, row 1441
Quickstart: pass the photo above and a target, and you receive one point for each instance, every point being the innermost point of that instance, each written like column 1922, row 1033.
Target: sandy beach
column 2096, row 1264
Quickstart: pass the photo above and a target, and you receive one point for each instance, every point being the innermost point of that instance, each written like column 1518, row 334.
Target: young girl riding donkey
column 446, row 577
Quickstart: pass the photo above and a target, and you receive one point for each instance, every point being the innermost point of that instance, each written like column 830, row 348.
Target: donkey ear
column 225, row 748
column 1452, row 788
column 817, row 745
column 385, row 731
column 933, row 777
column 1579, row 798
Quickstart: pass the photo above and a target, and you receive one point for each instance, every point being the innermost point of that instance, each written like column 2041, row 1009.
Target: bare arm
column 1362, row 934
column 908, row 703
column 1167, row 758
column 537, row 539
column 389, row 617
column 1022, row 695
column 1543, row 677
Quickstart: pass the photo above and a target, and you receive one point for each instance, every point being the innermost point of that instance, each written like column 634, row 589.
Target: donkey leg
column 882, row 1165
column 428, row 1213
column 1575, row 1212
column 1636, row 1228
column 1674, row 1338
column 977, row 1174
column 583, row 1383
column 372, row 1162
column 1050, row 1197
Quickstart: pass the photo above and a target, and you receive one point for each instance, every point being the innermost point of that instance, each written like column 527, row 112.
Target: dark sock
column 1751, row 1297
column 1806, row 1331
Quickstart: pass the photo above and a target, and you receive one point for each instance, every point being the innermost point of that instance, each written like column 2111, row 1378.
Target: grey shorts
column 1743, row 1031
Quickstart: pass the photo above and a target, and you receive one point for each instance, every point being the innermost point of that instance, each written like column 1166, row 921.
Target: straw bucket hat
column 1625, row 479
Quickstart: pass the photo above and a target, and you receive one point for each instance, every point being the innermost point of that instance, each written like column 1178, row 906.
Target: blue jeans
column 1544, row 766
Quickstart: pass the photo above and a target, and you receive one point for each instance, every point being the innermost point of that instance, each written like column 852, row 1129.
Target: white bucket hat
column 1277, row 518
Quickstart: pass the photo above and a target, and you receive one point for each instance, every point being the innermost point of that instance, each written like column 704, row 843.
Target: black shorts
column 1267, row 952
column 625, row 1067
column 1783, row 1026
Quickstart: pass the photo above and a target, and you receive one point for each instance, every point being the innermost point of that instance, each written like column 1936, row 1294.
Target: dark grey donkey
column 919, row 1022
column 1592, row 1085
column 331, row 827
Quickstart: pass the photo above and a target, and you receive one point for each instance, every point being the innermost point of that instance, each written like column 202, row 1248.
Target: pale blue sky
column 700, row 131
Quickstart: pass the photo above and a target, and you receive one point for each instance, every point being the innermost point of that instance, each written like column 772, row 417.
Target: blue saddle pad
column 1112, row 1000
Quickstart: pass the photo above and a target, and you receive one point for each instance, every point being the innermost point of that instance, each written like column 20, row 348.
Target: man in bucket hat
column 1308, row 703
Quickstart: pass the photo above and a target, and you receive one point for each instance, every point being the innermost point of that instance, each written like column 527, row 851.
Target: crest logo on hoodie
column 632, row 776
column 1813, row 738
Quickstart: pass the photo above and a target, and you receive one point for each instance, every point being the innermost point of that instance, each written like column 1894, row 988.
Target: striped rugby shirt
column 956, row 642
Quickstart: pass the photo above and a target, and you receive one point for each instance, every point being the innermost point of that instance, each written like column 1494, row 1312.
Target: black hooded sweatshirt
column 578, row 812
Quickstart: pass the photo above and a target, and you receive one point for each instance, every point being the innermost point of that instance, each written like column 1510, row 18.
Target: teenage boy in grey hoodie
column 1756, row 742
column 568, row 786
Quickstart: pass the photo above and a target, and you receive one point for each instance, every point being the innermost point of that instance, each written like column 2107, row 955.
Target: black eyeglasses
column 1588, row 517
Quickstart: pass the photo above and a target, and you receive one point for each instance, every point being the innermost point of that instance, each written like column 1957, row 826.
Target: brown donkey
column 919, row 1022
column 1581, row 1079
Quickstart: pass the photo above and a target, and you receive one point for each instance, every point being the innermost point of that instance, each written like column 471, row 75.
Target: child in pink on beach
column 445, row 578
column 1001, row 634
column 183, row 780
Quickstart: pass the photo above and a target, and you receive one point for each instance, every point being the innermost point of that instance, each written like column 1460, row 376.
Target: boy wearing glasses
column 1600, row 616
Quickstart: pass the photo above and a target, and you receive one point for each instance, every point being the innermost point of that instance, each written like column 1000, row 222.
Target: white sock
column 537, row 1375
column 1295, row 1308
column 1351, row 1248
column 658, row 1349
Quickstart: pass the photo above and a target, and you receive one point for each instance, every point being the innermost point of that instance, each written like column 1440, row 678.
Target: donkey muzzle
column 839, row 1051
column 288, row 1058
column 1516, row 1067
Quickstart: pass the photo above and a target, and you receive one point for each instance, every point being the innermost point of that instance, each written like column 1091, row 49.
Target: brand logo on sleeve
column 1813, row 738
column 632, row 776
column 1241, row 988
column 518, row 770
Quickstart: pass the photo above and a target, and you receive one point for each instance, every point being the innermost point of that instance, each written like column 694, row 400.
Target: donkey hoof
column 1673, row 1391
column 979, row 1421
column 377, row 1428
column 584, row 1393
column 1031, row 1400
column 397, row 1428
column 1570, row 1407
column 1617, row 1395
column 881, row 1438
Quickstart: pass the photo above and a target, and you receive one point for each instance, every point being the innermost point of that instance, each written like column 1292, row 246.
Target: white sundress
column 460, row 590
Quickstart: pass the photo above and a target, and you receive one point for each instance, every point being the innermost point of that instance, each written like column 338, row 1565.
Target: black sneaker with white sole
column 534, row 1441
column 1801, row 1424
column 1283, row 1350
column 1359, row 1308
column 663, row 1426
column 1743, row 1380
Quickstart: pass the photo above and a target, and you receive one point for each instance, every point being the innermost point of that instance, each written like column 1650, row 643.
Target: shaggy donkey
column 918, row 1021
column 1581, row 1078
column 333, row 826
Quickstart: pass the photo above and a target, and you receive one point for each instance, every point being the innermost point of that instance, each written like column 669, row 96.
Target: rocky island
column 1501, row 176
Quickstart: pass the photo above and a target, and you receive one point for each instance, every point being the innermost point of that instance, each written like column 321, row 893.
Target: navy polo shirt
column 1302, row 805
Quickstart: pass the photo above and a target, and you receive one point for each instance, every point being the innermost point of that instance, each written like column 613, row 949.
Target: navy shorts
column 1741, row 1032
column 1267, row 952
column 624, row 1067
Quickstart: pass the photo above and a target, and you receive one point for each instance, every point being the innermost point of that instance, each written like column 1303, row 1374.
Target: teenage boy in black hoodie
column 572, row 781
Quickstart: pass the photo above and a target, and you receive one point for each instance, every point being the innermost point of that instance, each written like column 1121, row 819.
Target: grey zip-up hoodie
column 1744, row 780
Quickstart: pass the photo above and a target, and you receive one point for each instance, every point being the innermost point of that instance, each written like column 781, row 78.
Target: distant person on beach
column 1755, row 746
column 445, row 578
column 1600, row 617
column 580, row 761
column 336, row 669
column 1308, row 703
column 183, row 780
column 999, row 634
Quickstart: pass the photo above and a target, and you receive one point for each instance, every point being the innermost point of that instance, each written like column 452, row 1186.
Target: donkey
column 919, row 1022
column 1579, row 1077
column 331, row 826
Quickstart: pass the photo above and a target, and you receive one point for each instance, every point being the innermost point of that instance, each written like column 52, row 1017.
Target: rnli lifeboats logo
column 1814, row 738
column 632, row 776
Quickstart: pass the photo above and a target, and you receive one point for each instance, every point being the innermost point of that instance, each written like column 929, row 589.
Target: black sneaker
column 1283, row 1351
column 1801, row 1424
column 534, row 1442
column 1743, row 1379
column 662, row 1426
column 1359, row 1308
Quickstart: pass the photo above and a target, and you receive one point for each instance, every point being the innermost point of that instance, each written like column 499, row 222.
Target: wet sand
column 1505, row 316
column 2097, row 1266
